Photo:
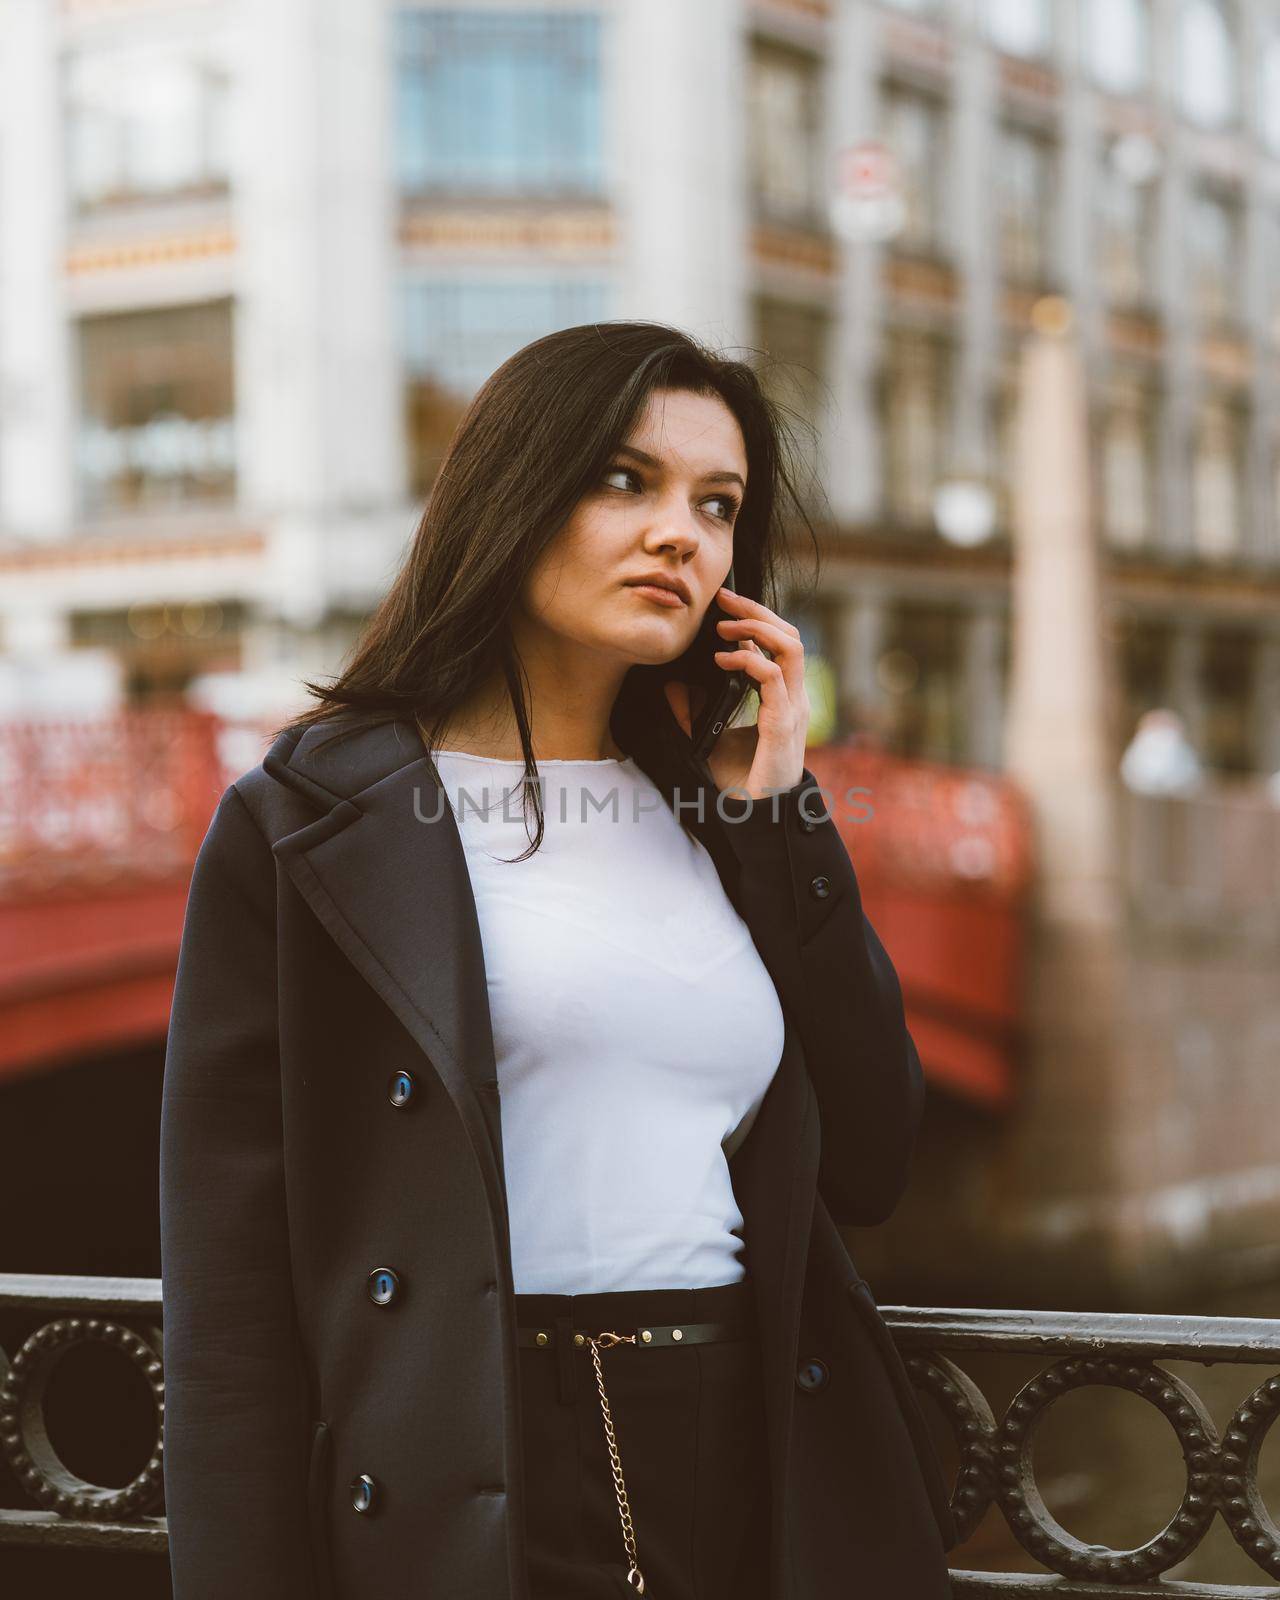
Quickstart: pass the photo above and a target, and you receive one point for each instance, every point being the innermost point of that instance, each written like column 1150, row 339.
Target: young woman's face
column 666, row 505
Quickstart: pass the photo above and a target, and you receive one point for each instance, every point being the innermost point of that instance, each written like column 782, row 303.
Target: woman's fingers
column 782, row 641
column 778, row 707
column 742, row 606
column 782, row 725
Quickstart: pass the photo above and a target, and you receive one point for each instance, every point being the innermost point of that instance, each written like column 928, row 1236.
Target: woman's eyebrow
column 647, row 460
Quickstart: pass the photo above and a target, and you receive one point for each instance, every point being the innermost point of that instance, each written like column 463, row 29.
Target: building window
column 457, row 331
column 1208, row 72
column 1227, row 680
column 498, row 103
column 161, row 648
column 1021, row 27
column 146, row 123
column 1215, row 247
column 1128, row 467
column 1026, row 186
column 921, row 674
column 1218, row 478
column 796, row 339
column 785, row 115
column 915, row 133
column 1119, row 44
column 1145, row 652
column 916, row 415
column 1126, row 220
column 157, row 424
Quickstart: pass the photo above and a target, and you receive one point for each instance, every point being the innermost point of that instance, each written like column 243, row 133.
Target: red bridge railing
column 103, row 802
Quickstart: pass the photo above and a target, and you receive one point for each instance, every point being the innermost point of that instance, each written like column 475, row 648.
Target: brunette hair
column 538, row 435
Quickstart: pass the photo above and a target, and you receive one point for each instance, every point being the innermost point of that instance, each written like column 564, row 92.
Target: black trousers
column 690, row 1432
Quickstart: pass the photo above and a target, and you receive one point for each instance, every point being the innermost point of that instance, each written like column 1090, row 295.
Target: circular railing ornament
column 1034, row 1526
column 24, row 1438
column 1243, row 1509
column 973, row 1427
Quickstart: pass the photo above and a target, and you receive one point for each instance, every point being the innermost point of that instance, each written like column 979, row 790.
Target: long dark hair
column 539, row 435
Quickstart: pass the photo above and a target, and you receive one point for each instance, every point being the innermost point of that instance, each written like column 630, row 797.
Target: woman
column 499, row 1186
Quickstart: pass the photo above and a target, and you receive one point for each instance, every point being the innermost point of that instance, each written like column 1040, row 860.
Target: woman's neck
column 501, row 742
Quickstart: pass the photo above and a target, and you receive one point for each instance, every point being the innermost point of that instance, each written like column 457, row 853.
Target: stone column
column 973, row 227
column 1258, row 507
column 1181, row 384
column 1056, row 739
column 1075, row 232
column 855, row 453
column 319, row 386
column 1058, row 1161
column 676, row 85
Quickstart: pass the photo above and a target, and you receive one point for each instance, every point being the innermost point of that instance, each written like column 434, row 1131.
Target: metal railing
column 51, row 1315
column 1122, row 1351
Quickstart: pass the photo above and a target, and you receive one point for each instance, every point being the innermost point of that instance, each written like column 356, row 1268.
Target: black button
column 363, row 1493
column 402, row 1088
column 820, row 887
column 811, row 1374
column 808, row 803
column 384, row 1285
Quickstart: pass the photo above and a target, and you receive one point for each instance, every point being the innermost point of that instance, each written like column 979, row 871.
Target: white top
column 635, row 1026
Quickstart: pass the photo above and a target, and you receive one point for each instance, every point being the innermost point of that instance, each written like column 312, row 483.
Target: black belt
column 650, row 1337
column 563, row 1337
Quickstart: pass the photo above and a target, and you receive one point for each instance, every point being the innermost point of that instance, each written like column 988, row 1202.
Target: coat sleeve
column 235, row 1407
column 836, row 981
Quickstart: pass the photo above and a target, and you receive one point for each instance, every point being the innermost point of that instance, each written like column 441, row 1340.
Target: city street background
column 1013, row 268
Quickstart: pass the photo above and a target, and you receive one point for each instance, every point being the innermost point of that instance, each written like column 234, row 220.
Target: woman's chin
column 654, row 639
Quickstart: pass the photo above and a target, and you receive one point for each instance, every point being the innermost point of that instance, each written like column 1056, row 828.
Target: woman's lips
column 663, row 597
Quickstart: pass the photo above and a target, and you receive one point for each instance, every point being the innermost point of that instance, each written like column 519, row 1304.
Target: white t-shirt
column 635, row 1026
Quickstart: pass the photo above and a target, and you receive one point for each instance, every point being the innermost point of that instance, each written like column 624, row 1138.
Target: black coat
column 331, row 943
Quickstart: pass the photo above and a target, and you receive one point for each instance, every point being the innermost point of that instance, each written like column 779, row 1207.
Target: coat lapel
column 384, row 871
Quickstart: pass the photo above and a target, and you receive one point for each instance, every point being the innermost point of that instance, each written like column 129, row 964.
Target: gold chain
column 597, row 1343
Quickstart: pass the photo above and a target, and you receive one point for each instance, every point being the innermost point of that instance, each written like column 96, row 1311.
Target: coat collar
column 383, row 869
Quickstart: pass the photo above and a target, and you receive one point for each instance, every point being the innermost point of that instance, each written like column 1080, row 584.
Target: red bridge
column 100, row 822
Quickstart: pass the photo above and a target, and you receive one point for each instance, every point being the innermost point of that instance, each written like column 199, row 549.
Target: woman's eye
column 730, row 503
column 625, row 473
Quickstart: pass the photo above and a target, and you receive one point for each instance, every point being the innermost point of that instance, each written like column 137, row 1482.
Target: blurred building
column 255, row 257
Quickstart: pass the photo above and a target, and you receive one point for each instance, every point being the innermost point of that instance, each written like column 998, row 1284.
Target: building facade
column 254, row 258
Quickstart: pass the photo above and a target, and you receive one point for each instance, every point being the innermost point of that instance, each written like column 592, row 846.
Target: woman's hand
column 763, row 760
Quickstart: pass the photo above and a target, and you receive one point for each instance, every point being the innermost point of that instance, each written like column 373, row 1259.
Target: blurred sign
column 867, row 202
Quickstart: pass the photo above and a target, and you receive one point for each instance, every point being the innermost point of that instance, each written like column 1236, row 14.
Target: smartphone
column 722, row 692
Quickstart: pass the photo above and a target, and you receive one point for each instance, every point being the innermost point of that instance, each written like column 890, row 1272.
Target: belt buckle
column 607, row 1340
